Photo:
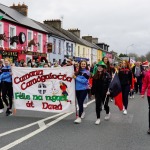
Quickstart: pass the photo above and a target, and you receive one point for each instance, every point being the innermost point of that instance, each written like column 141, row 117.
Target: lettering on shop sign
column 40, row 78
column 34, row 53
column 14, row 54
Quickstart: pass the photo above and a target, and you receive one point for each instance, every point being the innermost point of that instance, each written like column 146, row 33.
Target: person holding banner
column 7, row 90
column 101, row 81
column 125, row 77
column 81, row 78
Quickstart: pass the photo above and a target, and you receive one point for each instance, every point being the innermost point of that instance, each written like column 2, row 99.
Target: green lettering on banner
column 37, row 97
column 56, row 98
column 19, row 95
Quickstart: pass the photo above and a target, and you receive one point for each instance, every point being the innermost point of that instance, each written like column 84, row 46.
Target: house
column 22, row 38
column 62, row 46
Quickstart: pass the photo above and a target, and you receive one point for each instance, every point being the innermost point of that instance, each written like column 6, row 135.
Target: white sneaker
column 130, row 97
column 78, row 120
column 1, row 111
column 111, row 100
column 133, row 96
column 107, row 117
column 83, row 115
column 125, row 112
column 84, row 105
column 97, row 121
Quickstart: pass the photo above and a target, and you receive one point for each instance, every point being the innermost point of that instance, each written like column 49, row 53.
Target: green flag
column 1, row 17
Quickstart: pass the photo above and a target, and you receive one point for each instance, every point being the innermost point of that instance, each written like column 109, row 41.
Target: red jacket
column 146, row 84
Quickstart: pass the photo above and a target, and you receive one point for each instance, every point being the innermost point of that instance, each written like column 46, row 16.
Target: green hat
column 101, row 63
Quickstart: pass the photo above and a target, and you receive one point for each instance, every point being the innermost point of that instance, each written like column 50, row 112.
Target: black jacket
column 125, row 76
column 133, row 71
column 100, row 86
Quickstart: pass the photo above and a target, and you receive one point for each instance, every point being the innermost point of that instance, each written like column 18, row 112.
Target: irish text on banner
column 46, row 89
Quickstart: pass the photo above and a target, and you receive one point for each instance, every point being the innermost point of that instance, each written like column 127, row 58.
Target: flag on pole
column 1, row 17
column 116, row 91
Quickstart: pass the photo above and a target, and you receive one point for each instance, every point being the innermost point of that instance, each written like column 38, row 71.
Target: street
column 47, row 131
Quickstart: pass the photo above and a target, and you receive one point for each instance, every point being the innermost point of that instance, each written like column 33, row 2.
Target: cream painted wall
column 83, row 52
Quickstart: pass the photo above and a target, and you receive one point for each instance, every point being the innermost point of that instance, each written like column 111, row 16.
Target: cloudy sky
column 122, row 24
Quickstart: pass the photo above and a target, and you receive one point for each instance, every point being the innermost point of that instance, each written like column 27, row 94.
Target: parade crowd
column 90, row 80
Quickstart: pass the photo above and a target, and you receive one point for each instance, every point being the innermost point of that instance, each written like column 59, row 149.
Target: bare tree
column 148, row 56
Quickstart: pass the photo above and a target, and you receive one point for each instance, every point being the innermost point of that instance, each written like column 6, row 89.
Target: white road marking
column 38, row 131
column 29, row 125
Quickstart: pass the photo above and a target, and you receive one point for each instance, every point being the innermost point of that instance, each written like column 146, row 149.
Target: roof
column 52, row 30
column 19, row 18
column 6, row 17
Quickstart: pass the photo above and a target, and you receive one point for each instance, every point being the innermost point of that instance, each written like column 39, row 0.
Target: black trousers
column 138, row 85
column 149, row 110
column 100, row 100
column 1, row 102
column 7, row 91
column 81, row 95
column 125, row 93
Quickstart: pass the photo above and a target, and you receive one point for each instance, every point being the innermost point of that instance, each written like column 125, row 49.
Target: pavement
column 28, row 130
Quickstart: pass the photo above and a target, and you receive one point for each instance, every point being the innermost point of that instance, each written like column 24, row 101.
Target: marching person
column 81, row 78
column 145, row 86
column 7, row 90
column 101, row 81
column 125, row 77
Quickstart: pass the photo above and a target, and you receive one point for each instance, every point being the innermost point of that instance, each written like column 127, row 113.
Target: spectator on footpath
column 1, row 102
column 125, row 77
column 101, row 81
column 145, row 86
column 138, row 74
column 7, row 90
column 81, row 86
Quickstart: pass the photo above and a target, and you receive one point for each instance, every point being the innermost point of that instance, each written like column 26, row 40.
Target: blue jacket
column 6, row 76
column 82, row 80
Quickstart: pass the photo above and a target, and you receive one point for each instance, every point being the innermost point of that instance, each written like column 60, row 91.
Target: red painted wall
column 24, row 29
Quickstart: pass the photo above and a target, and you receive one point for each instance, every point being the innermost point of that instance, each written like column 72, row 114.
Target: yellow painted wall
column 83, row 51
column 99, row 55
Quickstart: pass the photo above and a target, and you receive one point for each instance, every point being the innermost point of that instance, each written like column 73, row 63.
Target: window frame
column 30, row 31
column 15, row 45
column 40, row 50
column 2, row 32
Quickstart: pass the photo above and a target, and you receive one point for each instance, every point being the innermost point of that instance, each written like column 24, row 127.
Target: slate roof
column 19, row 18
column 53, row 31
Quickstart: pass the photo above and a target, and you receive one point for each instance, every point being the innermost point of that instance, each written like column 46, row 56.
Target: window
column 78, row 50
column 67, row 48
column 71, row 49
column 12, row 32
column 29, row 38
column 59, row 47
column 83, row 52
column 54, row 46
column 39, row 42
column 1, row 32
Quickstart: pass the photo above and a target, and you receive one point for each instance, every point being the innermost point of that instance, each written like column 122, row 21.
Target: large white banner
column 44, row 89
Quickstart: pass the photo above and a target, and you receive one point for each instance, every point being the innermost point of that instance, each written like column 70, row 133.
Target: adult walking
column 81, row 78
column 101, row 81
column 145, row 86
column 7, row 90
column 138, row 74
column 125, row 76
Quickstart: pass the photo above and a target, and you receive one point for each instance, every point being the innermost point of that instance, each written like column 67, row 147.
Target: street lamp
column 128, row 47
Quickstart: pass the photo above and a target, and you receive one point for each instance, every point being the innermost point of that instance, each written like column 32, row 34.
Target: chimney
column 87, row 38
column 54, row 23
column 95, row 40
column 76, row 32
column 23, row 9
